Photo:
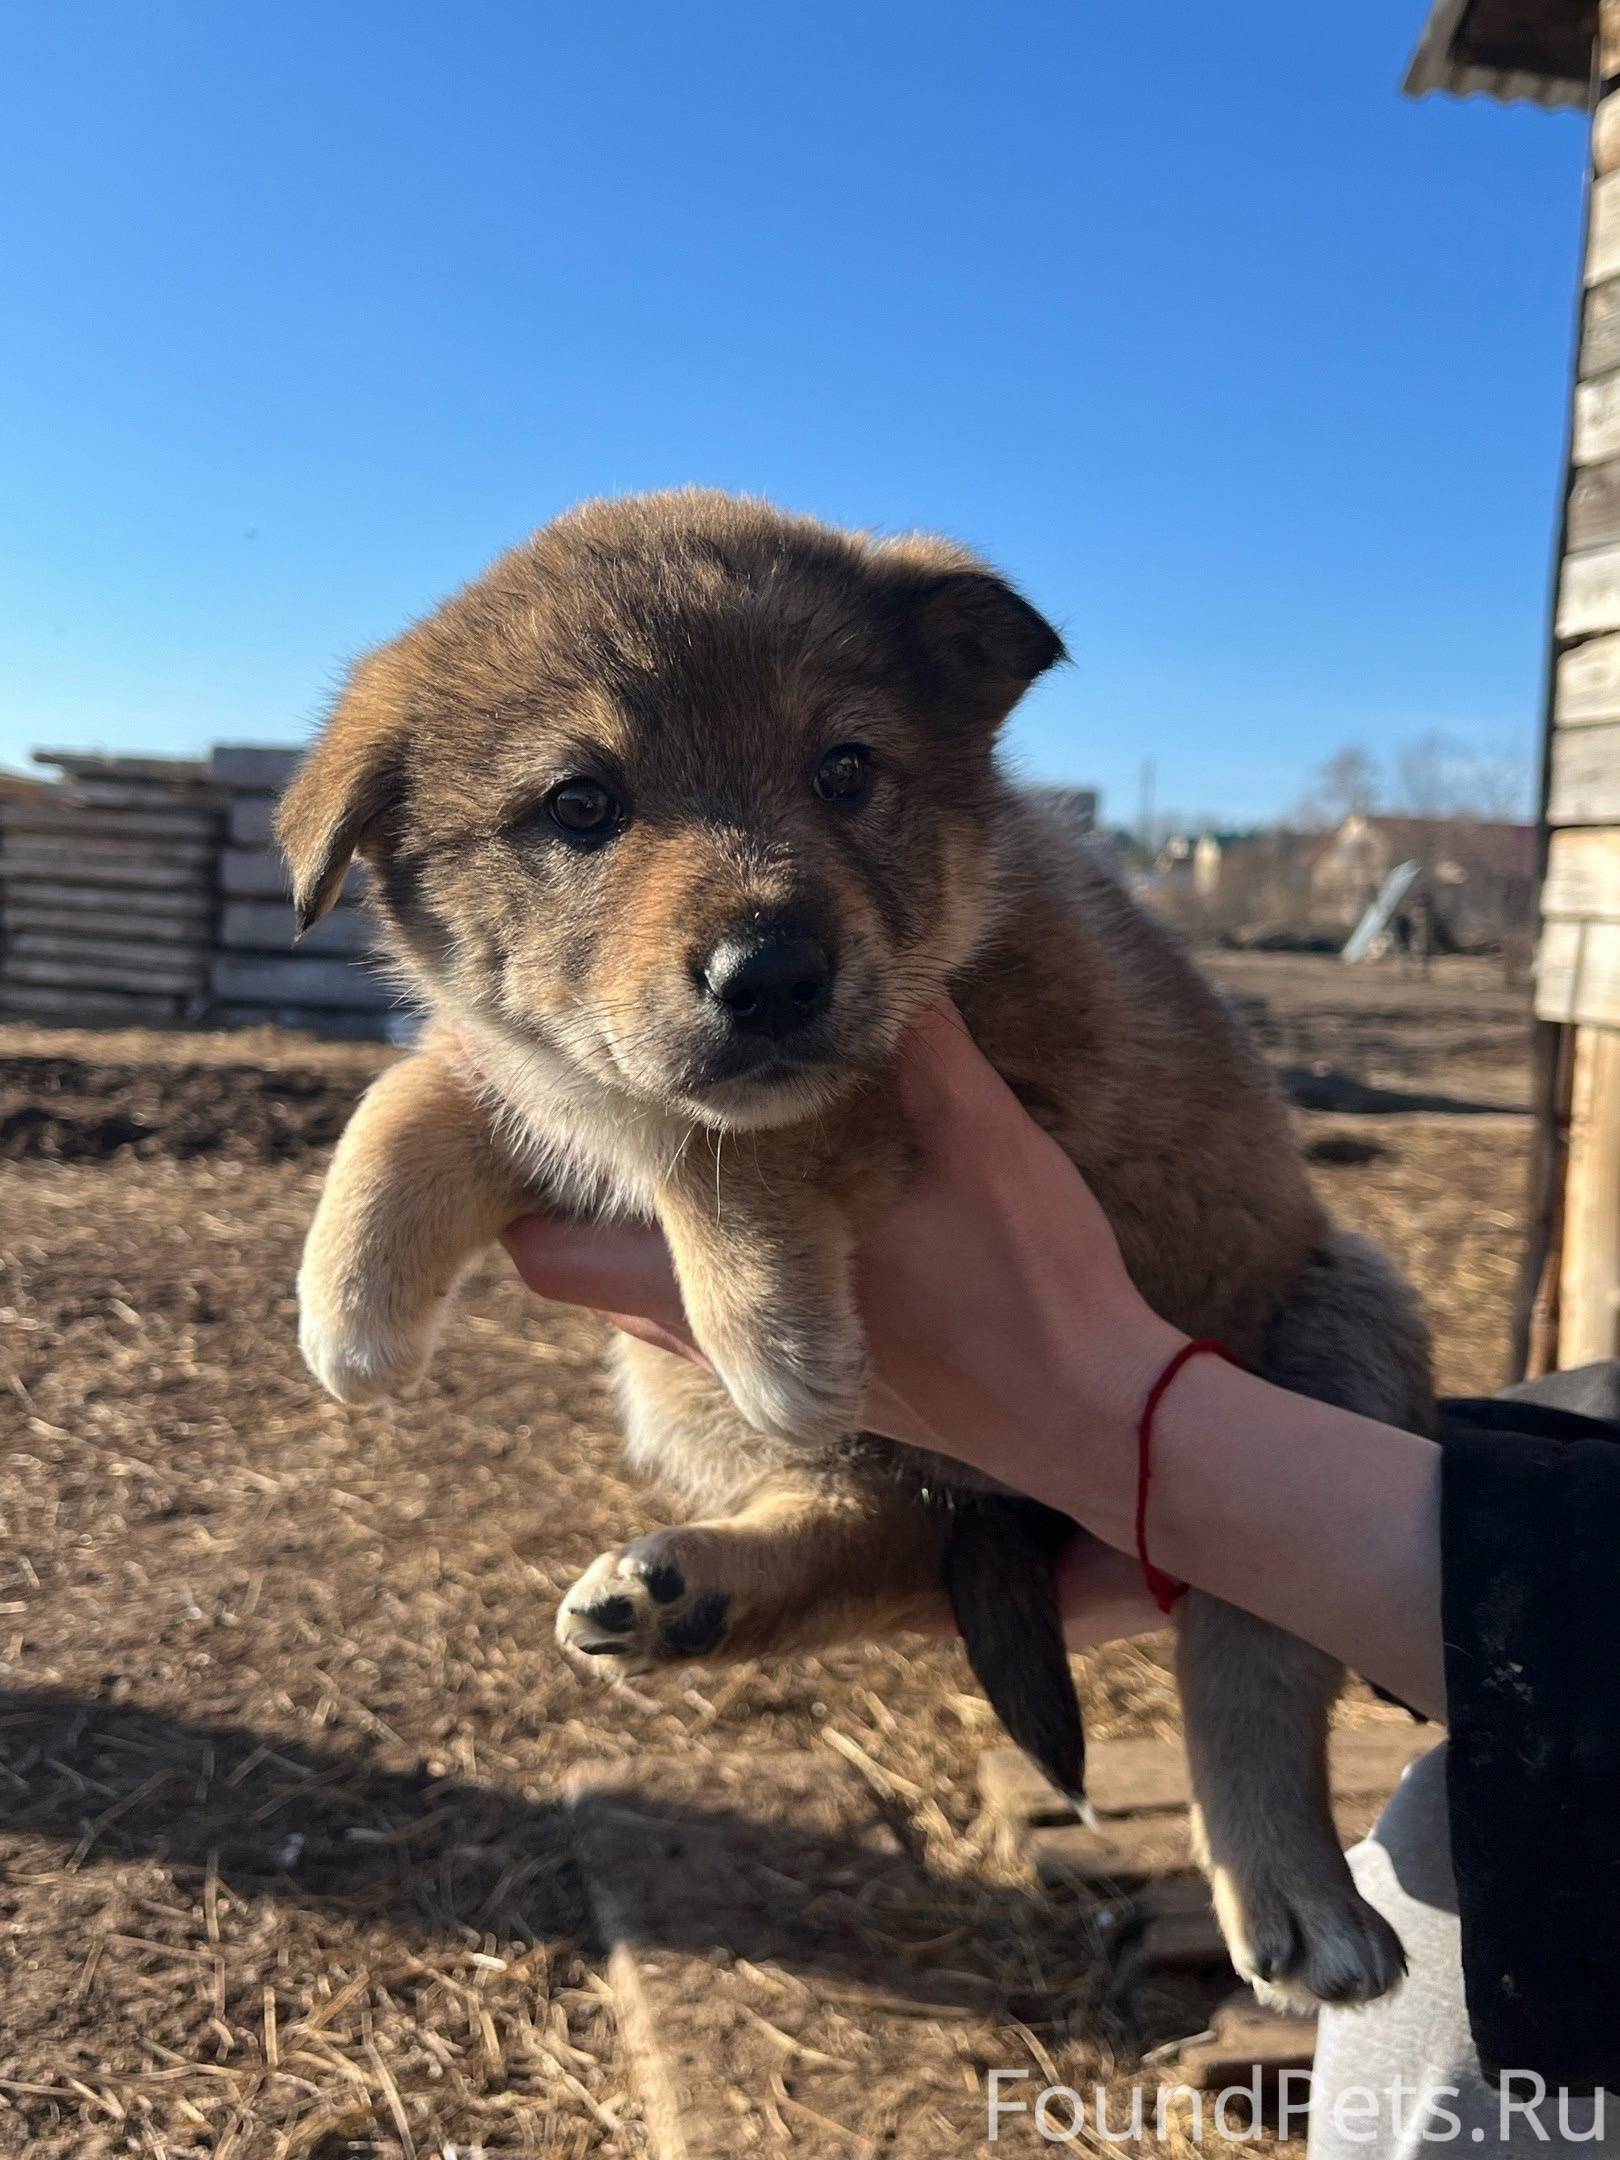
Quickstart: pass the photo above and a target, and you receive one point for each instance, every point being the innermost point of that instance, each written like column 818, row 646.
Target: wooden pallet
column 1138, row 1856
column 263, row 972
column 106, row 891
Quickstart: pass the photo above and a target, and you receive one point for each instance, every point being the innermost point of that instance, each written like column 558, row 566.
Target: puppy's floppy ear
column 970, row 628
column 342, row 795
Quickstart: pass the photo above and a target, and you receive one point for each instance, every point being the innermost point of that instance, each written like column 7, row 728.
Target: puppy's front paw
column 643, row 1606
column 1301, row 1948
column 362, row 1355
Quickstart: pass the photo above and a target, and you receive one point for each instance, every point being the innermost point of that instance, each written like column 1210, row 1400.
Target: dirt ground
column 283, row 1737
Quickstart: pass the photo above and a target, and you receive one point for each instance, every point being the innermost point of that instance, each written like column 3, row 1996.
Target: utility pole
column 1144, row 811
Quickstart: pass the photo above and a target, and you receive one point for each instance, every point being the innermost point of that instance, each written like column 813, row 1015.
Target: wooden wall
column 150, row 891
column 1578, row 965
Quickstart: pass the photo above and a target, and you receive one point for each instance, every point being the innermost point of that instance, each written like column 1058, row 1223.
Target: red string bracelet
column 1164, row 1588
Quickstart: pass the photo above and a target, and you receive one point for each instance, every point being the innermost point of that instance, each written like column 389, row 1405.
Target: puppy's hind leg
column 802, row 1564
column 786, row 1556
column 1256, row 1702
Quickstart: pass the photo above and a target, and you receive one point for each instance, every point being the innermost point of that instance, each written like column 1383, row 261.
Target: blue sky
column 1252, row 372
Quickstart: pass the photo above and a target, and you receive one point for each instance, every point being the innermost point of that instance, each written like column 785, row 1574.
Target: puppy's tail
column 1001, row 1572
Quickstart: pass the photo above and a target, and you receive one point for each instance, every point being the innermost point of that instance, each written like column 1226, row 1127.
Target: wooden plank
column 1175, row 1929
column 136, row 795
column 253, row 821
column 254, row 767
column 743, row 1903
column 1122, row 1777
column 1597, row 420
column 1248, row 2042
column 98, row 863
column 1142, row 1777
column 1600, row 330
column 58, row 899
column 21, row 917
column 268, row 926
column 1589, row 591
column 1603, row 236
column 1578, row 973
column 79, row 942
column 1589, row 1279
column 94, row 973
column 109, row 765
column 78, row 853
column 62, row 818
column 1589, row 683
column 299, row 981
column 1606, row 134
column 1584, row 781
column 1583, row 874
column 87, row 1008
column 1594, row 506
column 1122, row 1853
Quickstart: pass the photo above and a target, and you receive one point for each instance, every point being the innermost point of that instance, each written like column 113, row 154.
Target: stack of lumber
column 263, row 973
column 107, row 894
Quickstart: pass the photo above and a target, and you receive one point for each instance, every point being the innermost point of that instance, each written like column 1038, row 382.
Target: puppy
column 675, row 818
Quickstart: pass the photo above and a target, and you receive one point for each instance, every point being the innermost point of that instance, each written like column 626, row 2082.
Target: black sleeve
column 1530, row 1539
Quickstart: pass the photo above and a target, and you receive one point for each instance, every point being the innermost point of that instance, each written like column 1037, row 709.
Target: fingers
column 657, row 1338
column 946, row 1082
column 621, row 1269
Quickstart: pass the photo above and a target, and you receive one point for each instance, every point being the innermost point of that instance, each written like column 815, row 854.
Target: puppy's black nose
column 772, row 983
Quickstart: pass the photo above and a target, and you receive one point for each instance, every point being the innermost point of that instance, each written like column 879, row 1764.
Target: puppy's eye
column 844, row 774
column 583, row 809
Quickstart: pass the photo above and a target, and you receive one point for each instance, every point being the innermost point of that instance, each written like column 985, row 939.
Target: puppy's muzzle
column 771, row 982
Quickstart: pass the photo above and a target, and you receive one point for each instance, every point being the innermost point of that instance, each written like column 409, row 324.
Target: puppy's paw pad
column 637, row 1608
column 1302, row 1952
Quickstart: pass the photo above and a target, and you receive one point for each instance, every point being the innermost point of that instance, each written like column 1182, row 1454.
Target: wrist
column 1084, row 1442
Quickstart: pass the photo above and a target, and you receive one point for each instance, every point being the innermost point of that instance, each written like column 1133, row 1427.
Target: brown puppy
column 676, row 817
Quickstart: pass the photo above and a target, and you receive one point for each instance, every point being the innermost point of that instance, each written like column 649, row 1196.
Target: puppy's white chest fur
column 588, row 1144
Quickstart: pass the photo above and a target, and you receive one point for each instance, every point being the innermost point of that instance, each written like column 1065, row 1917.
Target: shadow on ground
column 222, row 1808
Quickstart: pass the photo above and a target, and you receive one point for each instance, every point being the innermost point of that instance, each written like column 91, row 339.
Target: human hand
column 1000, row 1320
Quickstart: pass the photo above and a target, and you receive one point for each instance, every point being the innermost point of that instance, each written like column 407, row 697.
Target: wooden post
column 1589, row 1301
column 1535, row 1345
column 1570, row 1294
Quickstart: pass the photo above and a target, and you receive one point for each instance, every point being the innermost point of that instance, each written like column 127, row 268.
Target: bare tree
column 1440, row 776
column 1347, row 783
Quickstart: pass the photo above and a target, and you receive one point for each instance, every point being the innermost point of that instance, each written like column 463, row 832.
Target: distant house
column 1191, row 863
column 1481, row 874
column 1174, row 864
column 1253, row 874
